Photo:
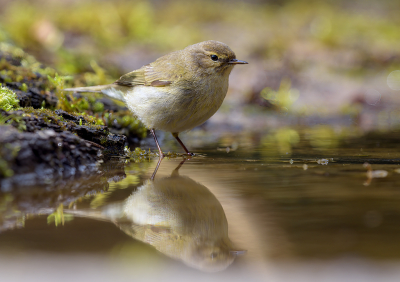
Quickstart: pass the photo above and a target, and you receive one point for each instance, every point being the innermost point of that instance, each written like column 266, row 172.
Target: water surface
column 245, row 207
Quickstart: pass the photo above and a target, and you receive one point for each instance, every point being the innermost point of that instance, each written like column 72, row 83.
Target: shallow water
column 245, row 207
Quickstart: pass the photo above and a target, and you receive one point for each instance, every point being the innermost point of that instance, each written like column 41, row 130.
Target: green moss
column 21, row 72
column 93, row 120
column 69, row 103
column 3, row 119
column 98, row 107
column 16, row 121
column 8, row 99
column 5, row 171
column 33, row 74
column 130, row 124
column 63, row 102
column 51, row 117
column 82, row 105
column 23, row 87
column 140, row 155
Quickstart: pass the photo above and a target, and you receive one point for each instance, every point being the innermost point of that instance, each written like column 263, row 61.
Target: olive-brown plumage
column 178, row 91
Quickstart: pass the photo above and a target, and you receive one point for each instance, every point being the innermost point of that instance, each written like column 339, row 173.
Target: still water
column 244, row 208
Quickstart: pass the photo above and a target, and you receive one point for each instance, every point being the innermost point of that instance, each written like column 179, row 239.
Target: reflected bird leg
column 175, row 172
column 156, row 169
column 161, row 154
column 175, row 134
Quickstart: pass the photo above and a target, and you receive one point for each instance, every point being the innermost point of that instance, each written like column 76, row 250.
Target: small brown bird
column 178, row 91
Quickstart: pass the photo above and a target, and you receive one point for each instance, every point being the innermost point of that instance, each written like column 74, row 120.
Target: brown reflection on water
column 251, row 219
column 181, row 218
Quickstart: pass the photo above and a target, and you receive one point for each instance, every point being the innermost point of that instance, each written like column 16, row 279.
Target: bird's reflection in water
column 179, row 217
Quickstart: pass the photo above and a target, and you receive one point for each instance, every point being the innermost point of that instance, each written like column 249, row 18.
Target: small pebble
column 323, row 161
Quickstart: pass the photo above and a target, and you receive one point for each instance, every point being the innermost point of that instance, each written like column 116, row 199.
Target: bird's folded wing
column 146, row 75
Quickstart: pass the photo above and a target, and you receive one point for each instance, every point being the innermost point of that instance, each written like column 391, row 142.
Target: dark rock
column 33, row 98
column 44, row 156
column 70, row 117
column 37, row 120
column 114, row 144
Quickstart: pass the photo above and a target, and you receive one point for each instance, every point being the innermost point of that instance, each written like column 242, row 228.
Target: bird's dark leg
column 158, row 145
column 175, row 134
column 161, row 154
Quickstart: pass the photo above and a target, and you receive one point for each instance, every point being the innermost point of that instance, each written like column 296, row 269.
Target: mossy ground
column 37, row 90
column 32, row 100
column 8, row 99
column 41, row 87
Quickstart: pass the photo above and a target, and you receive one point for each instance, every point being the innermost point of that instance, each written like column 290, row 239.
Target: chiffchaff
column 178, row 91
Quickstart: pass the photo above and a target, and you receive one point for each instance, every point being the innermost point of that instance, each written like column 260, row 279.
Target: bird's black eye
column 214, row 57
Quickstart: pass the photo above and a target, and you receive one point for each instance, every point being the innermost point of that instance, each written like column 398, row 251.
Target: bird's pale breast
column 175, row 109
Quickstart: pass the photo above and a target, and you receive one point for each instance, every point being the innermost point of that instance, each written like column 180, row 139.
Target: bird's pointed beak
column 237, row 62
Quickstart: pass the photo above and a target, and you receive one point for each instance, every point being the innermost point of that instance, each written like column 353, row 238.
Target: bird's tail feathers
column 97, row 88
column 110, row 90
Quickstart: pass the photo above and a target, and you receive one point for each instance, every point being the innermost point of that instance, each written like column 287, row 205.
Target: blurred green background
column 324, row 61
